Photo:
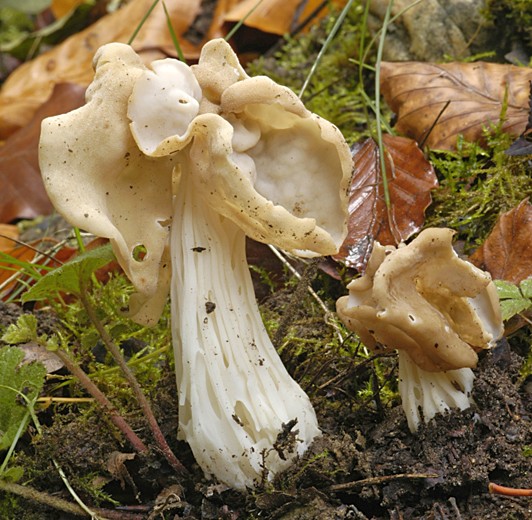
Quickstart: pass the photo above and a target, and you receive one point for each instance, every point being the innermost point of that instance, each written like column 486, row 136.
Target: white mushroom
column 436, row 309
column 242, row 156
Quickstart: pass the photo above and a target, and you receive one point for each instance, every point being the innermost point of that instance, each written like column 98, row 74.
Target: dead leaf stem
column 102, row 400
column 135, row 386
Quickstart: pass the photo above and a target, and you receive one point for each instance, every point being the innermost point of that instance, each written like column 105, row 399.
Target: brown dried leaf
column 23, row 194
column 410, row 178
column 34, row 351
column 417, row 92
column 71, row 61
column 507, row 252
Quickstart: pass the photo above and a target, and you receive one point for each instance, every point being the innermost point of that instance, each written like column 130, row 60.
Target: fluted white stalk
column 424, row 394
column 234, row 392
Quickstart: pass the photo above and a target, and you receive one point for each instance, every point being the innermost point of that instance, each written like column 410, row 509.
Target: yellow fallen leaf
column 273, row 16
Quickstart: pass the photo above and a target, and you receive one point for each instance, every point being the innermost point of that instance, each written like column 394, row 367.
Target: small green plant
column 20, row 385
column 515, row 299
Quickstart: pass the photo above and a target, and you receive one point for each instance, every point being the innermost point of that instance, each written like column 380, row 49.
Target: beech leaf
column 417, row 92
column 507, row 252
column 410, row 179
column 23, row 194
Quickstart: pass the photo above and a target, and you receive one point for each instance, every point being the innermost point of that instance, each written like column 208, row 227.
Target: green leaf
column 15, row 379
column 70, row 277
column 513, row 306
column 526, row 287
column 507, row 289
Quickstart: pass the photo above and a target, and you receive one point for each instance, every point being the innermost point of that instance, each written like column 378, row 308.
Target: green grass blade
column 233, row 31
column 385, row 24
column 325, row 46
column 173, row 35
column 142, row 22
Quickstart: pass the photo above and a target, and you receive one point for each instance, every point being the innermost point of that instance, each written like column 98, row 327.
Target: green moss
column 148, row 349
column 477, row 184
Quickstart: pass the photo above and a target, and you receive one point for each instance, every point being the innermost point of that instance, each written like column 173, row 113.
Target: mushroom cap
column 424, row 299
column 259, row 157
column 170, row 97
column 99, row 180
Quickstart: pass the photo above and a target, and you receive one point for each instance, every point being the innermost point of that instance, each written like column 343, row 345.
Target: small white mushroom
column 242, row 156
column 436, row 309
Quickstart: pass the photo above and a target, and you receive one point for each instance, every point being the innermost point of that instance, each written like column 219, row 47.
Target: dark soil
column 367, row 465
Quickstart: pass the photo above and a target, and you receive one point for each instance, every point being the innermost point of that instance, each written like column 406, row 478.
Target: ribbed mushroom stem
column 432, row 392
column 235, row 394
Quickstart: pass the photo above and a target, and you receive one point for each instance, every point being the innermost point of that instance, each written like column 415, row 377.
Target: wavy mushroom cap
column 423, row 299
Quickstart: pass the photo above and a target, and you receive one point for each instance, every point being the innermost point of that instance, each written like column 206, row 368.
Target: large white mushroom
column 436, row 309
column 207, row 155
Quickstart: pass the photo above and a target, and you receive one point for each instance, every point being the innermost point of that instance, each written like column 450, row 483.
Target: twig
column 61, row 504
column 371, row 481
column 135, row 386
column 102, row 400
column 508, row 491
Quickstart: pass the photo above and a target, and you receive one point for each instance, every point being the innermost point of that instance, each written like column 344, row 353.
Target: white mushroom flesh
column 424, row 394
column 234, row 392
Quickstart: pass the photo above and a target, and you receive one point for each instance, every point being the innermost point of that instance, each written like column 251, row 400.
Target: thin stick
column 379, row 480
column 30, row 493
column 102, row 400
column 135, row 386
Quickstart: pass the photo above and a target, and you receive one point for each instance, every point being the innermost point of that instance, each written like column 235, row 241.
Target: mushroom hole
column 165, row 222
column 457, row 386
column 139, row 253
column 412, row 318
column 418, row 392
column 245, row 420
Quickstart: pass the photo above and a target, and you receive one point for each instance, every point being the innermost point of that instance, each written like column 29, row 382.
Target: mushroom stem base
column 431, row 392
column 237, row 402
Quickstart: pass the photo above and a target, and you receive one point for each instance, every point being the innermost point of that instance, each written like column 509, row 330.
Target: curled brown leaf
column 71, row 61
column 475, row 92
column 410, row 178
